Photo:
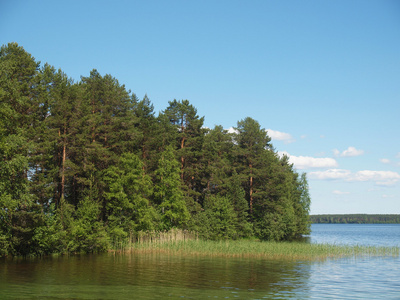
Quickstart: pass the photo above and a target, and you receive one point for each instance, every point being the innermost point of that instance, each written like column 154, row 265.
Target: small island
column 87, row 166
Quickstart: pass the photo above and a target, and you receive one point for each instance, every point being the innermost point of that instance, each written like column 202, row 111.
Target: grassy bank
column 177, row 243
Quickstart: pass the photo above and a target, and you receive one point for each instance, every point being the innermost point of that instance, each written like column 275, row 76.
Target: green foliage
column 87, row 232
column 216, row 160
column 303, row 206
column 127, row 192
column 168, row 192
column 251, row 158
column 218, row 219
column 17, row 79
column 50, row 237
column 270, row 227
column 278, row 202
column 148, row 130
column 236, row 195
column 188, row 135
column 24, row 219
column 4, row 245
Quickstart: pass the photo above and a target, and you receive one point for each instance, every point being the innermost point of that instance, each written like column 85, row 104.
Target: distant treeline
column 356, row 219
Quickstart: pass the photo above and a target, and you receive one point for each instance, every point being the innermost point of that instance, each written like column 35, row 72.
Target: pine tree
column 19, row 213
column 59, row 101
column 149, row 130
column 216, row 160
column 252, row 141
column 189, row 137
column 104, row 131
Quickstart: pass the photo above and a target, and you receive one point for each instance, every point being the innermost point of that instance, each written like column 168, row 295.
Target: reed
column 161, row 237
column 152, row 238
column 186, row 243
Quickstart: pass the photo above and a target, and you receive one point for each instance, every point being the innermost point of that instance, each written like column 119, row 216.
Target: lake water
column 387, row 235
column 155, row 276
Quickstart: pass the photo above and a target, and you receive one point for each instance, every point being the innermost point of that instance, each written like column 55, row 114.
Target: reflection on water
column 149, row 276
column 156, row 276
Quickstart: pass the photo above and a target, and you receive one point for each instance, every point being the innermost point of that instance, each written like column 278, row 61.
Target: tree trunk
column 64, row 156
column 144, row 158
column 251, row 188
column 182, row 158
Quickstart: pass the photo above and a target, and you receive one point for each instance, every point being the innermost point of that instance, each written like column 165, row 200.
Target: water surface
column 387, row 235
column 156, row 276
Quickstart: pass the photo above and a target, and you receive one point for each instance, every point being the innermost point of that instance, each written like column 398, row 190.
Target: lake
column 156, row 276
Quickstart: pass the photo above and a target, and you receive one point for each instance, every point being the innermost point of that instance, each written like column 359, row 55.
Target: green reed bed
column 153, row 237
column 187, row 243
column 270, row 250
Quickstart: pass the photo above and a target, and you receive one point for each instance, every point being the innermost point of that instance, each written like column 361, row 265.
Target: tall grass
column 185, row 243
column 153, row 238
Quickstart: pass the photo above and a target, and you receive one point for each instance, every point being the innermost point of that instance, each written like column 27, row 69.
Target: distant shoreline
column 355, row 219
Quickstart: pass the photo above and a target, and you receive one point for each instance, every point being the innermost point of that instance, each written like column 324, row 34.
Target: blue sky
column 323, row 77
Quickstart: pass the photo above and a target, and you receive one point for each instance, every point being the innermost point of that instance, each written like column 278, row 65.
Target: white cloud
column 349, row 152
column 280, row 136
column 382, row 178
column 386, row 182
column 305, row 162
column 390, row 162
column 384, row 161
column 232, row 130
column 337, row 192
column 352, row 151
column 336, row 152
column 387, row 196
column 330, row 174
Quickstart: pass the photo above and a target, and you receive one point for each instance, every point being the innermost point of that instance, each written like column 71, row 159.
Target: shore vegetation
column 178, row 242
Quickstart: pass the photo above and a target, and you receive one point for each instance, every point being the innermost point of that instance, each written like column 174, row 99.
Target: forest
column 356, row 219
column 86, row 164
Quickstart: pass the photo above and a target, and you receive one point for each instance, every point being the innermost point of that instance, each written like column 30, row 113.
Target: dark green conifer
column 168, row 191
